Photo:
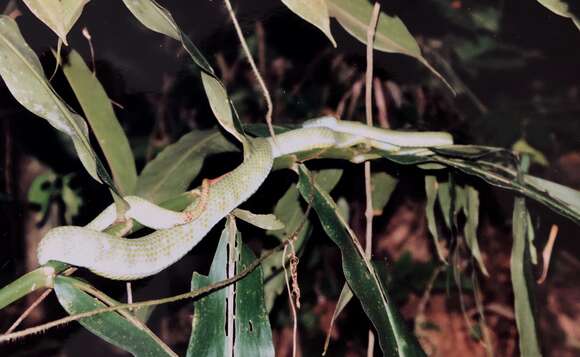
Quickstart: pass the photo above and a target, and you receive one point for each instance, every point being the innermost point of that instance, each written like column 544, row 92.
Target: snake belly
column 130, row 259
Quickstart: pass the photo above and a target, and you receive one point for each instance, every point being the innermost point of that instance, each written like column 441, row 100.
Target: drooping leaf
column 345, row 297
column 471, row 211
column 383, row 186
column 59, row 15
column 99, row 112
column 23, row 74
column 523, row 147
column 121, row 330
column 173, row 169
column 561, row 8
column 523, row 282
column 313, row 11
column 264, row 221
column 253, row 332
column 360, row 274
column 431, row 188
column 391, row 33
column 208, row 333
column 158, row 19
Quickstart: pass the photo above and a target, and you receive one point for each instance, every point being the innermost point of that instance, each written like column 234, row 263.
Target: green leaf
column 123, row 331
column 314, row 12
column 345, row 297
column 566, row 195
column 360, row 274
column 158, row 19
column 431, row 188
column 24, row 77
column 383, row 186
column 523, row 282
column 536, row 155
column 561, row 8
column 171, row 172
column 59, row 15
column 42, row 190
column 71, row 198
column 264, row 221
column 444, row 199
column 391, row 33
column 253, row 332
column 208, row 333
column 99, row 112
column 471, row 211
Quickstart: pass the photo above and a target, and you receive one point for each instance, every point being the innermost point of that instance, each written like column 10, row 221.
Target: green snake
column 129, row 259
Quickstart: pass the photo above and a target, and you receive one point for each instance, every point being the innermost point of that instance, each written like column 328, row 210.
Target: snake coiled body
column 129, row 259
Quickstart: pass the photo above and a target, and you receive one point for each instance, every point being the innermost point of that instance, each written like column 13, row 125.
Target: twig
column 292, row 305
column 381, row 104
column 29, row 310
column 369, row 213
column 87, row 35
column 254, row 68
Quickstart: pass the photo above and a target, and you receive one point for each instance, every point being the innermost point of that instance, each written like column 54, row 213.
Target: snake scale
column 130, row 259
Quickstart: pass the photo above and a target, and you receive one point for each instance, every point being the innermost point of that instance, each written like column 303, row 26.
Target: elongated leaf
column 59, row 15
column 471, row 211
column 523, row 282
column 383, row 186
column 431, row 188
column 24, row 77
column 391, row 33
column 345, row 297
column 99, row 112
column 171, row 172
column 561, row 8
column 313, row 11
column 253, row 332
column 125, row 332
column 158, row 19
column 360, row 274
column 208, row 333
column 264, row 221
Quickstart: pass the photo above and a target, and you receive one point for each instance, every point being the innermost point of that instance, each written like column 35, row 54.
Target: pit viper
column 176, row 234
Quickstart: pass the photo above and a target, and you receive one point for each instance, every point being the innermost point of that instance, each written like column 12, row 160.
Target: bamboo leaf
column 25, row 79
column 314, row 12
column 391, row 34
column 360, row 274
column 99, row 112
column 158, row 19
column 383, row 186
column 471, row 211
column 59, row 15
column 523, row 282
column 253, row 332
column 173, row 169
column 121, row 330
column 431, row 188
column 208, row 333
column 264, row 221
column 561, row 8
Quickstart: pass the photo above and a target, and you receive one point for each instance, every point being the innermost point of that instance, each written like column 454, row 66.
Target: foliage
column 452, row 193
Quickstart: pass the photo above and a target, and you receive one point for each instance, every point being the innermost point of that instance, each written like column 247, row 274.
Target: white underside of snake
column 129, row 259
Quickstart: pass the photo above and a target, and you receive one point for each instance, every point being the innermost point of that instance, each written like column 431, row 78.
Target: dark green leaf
column 360, row 274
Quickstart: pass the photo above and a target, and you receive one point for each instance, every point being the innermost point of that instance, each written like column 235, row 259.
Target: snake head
column 71, row 245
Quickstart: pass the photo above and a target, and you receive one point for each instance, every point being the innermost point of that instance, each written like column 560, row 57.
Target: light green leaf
column 391, row 33
column 431, row 188
column 99, row 112
column 444, row 199
column 360, row 274
column 566, row 195
column 264, row 221
column 41, row 190
column 523, row 282
column 59, row 15
column 536, row 155
column 173, row 169
column 345, row 297
column 313, row 11
column 561, row 8
column 383, row 186
column 471, row 211
column 156, row 18
column 220, row 104
column 71, row 198
column 24, row 77
column 252, row 331
column 122, row 330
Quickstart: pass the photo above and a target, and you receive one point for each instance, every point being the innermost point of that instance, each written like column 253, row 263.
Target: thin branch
column 254, row 68
column 369, row 213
